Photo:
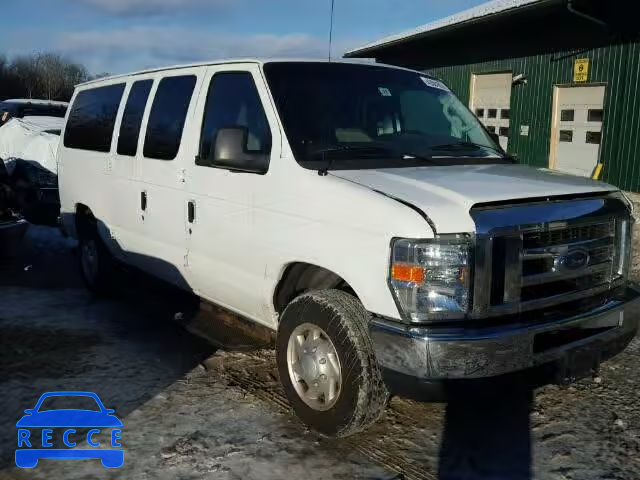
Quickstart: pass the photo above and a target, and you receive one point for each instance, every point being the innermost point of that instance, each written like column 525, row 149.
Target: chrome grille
column 524, row 264
column 545, row 272
column 572, row 234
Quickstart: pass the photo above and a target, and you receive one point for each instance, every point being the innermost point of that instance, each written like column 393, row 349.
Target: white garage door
column 491, row 102
column 577, row 129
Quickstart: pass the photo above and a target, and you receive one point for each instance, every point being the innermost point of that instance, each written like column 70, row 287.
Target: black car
column 20, row 108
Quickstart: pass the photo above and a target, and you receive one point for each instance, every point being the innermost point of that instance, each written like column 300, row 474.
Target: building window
column 567, row 115
column 593, row 138
column 167, row 117
column 505, row 113
column 92, row 118
column 492, row 113
column 480, row 112
column 504, row 131
column 595, row 115
column 132, row 117
column 566, row 135
column 491, row 129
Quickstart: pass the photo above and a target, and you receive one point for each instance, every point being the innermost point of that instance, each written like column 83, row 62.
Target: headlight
column 430, row 279
column 622, row 256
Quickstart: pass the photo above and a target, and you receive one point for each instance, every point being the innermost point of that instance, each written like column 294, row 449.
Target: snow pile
column 31, row 139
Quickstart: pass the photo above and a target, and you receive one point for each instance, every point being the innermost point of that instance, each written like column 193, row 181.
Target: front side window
column 167, row 117
column 368, row 116
column 92, row 118
column 132, row 117
column 233, row 101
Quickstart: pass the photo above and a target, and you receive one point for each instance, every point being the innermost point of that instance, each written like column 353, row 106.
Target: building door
column 576, row 131
column 491, row 102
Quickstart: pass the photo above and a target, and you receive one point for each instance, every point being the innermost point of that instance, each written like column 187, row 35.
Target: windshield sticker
column 384, row 91
column 430, row 82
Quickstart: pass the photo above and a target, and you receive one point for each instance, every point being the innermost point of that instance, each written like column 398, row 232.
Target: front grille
column 575, row 233
column 544, row 274
column 537, row 265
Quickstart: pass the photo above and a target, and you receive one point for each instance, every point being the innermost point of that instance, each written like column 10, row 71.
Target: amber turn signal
column 408, row 273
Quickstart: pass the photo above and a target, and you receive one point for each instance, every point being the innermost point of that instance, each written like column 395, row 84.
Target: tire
column 361, row 396
column 96, row 262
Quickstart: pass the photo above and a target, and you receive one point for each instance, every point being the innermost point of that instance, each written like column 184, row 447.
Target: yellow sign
column 581, row 70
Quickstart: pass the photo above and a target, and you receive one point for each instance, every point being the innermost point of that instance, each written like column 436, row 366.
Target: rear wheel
column 96, row 262
column 327, row 365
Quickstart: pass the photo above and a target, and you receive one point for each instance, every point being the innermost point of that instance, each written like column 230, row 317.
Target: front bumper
column 440, row 353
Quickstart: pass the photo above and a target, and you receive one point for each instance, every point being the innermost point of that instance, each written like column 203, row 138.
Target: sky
column 117, row 36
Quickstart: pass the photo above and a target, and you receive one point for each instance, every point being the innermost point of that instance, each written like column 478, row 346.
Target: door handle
column 191, row 211
column 143, row 201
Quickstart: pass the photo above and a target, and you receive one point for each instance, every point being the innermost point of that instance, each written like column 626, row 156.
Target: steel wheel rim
column 314, row 367
column 89, row 260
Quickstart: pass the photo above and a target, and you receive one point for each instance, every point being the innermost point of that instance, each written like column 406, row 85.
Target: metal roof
column 471, row 15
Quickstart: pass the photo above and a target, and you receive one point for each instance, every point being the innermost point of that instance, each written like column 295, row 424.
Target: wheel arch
column 84, row 219
column 300, row 277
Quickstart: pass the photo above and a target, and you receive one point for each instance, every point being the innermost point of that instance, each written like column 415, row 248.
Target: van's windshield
column 351, row 116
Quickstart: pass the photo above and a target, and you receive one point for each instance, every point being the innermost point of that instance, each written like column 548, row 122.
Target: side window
column 233, row 101
column 92, row 117
column 132, row 117
column 167, row 117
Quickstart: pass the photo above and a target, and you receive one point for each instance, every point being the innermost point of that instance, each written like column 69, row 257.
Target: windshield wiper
column 467, row 146
column 368, row 150
column 417, row 156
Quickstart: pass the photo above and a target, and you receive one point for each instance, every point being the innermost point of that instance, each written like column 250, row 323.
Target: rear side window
column 167, row 117
column 92, row 117
column 132, row 117
column 233, row 101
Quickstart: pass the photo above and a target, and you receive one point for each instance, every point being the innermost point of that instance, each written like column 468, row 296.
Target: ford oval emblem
column 574, row 259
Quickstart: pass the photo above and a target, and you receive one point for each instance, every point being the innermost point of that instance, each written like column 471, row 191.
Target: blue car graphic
column 27, row 456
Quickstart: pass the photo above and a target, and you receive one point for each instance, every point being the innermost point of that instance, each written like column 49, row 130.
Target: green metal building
column 558, row 80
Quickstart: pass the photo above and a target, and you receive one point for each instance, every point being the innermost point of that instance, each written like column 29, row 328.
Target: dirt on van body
column 193, row 410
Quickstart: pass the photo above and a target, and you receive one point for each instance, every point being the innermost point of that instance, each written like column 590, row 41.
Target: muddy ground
column 192, row 410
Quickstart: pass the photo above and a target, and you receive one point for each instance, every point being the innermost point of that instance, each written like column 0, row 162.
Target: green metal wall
column 615, row 66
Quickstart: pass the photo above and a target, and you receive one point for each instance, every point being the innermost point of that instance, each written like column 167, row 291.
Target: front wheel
column 327, row 364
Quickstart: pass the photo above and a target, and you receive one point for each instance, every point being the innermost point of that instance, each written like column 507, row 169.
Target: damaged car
column 360, row 211
column 12, row 226
column 28, row 149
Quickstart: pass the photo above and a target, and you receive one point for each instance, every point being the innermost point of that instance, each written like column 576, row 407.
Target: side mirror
column 230, row 152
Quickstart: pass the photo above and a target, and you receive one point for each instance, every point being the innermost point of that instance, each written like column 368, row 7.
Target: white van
column 360, row 210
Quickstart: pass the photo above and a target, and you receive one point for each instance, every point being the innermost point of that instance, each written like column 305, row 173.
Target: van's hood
column 446, row 194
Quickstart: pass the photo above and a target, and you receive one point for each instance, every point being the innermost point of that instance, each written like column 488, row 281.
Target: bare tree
column 51, row 73
column 42, row 75
column 26, row 70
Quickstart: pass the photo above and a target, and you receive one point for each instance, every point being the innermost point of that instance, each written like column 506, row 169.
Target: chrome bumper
column 438, row 353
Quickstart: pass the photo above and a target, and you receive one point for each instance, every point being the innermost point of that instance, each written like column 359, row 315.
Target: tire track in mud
column 255, row 373
column 411, row 438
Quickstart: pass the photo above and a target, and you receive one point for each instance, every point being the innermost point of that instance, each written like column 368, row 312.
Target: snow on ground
column 228, row 419
column 179, row 420
column 27, row 139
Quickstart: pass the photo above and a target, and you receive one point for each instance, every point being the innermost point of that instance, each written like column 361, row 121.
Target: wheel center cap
column 309, row 367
